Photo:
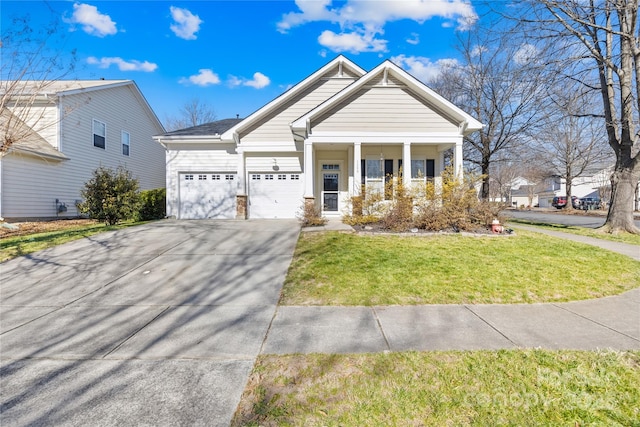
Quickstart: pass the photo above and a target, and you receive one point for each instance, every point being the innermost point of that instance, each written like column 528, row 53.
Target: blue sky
column 238, row 55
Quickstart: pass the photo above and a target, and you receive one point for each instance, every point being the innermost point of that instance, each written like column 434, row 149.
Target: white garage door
column 275, row 195
column 207, row 195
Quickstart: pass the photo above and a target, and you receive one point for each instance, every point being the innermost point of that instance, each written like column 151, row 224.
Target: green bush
column 110, row 195
column 152, row 204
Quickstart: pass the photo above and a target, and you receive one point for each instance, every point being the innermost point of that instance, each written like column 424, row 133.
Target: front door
column 330, row 192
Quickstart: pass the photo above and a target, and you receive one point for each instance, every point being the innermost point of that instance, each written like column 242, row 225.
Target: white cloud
column 351, row 42
column 205, row 77
column 422, row 68
column 186, row 23
column 123, row 65
column 92, row 21
column 414, row 40
column 258, row 82
column 525, row 54
column 361, row 22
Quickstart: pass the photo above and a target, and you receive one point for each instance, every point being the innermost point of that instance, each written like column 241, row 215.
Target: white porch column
column 406, row 164
column 357, row 168
column 242, row 175
column 308, row 170
column 457, row 160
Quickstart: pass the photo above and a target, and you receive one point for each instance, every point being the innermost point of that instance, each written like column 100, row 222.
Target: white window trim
column 93, row 133
column 128, row 144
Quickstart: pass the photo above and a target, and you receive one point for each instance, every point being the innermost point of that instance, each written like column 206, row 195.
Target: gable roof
column 340, row 61
column 61, row 88
column 466, row 122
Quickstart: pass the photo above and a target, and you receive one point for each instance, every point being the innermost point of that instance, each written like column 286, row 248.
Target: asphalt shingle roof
column 214, row 128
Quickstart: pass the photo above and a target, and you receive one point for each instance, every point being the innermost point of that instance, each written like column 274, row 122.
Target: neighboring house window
column 126, row 140
column 99, row 134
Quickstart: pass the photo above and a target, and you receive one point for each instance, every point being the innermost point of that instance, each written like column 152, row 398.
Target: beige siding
column 276, row 126
column 384, row 109
column 195, row 158
column 31, row 185
column 43, row 119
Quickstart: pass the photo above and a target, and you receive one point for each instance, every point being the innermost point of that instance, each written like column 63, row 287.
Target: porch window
column 374, row 169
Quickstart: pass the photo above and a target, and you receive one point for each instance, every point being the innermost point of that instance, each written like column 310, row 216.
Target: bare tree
column 571, row 141
column 498, row 82
column 32, row 61
column 192, row 113
column 598, row 43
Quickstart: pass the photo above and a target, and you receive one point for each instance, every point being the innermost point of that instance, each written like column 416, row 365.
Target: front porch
column 335, row 172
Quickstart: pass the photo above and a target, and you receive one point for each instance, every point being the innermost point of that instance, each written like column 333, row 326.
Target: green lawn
column 633, row 239
column 12, row 247
column 486, row 388
column 349, row 269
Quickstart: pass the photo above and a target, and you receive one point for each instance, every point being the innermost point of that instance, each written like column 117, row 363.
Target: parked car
column 560, row 202
column 589, row 203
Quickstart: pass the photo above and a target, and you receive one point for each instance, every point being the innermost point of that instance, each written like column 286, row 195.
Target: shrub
column 399, row 217
column 152, row 204
column 311, row 215
column 110, row 195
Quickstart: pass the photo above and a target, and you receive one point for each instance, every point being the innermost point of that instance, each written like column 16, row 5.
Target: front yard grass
column 633, row 239
column 350, row 269
column 488, row 388
column 14, row 246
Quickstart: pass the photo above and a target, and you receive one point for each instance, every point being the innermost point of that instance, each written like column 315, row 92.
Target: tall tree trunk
column 623, row 186
column 484, row 193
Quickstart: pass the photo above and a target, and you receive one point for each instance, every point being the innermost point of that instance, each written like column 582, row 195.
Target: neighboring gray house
column 66, row 131
column 339, row 128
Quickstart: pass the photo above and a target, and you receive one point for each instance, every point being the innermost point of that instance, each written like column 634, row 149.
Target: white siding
column 43, row 119
column 195, row 158
column 276, row 126
column 31, row 185
column 265, row 163
column 384, row 109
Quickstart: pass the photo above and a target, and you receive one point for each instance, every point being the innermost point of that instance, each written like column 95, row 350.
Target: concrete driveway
column 157, row 325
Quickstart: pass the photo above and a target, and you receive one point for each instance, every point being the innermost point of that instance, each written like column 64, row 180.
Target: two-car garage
column 212, row 195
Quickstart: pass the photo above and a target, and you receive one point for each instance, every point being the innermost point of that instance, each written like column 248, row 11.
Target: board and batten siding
column 384, row 109
column 117, row 107
column 194, row 158
column 275, row 127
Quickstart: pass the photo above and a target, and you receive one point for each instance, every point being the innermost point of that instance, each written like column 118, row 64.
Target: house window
column 421, row 169
column 331, row 167
column 215, row 177
column 228, row 177
column 202, row 177
column 295, row 176
column 188, row 177
column 374, row 169
column 126, row 140
column 255, row 177
column 99, row 134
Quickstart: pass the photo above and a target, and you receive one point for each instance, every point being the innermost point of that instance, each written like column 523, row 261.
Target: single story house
column 338, row 129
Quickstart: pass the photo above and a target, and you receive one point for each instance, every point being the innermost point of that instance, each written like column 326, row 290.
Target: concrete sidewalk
column 612, row 322
column 627, row 249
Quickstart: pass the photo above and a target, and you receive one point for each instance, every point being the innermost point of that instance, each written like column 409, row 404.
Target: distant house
column 69, row 130
column 320, row 142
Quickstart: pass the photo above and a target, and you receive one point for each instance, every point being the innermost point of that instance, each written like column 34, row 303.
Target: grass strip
column 12, row 247
column 350, row 269
column 633, row 239
column 488, row 388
